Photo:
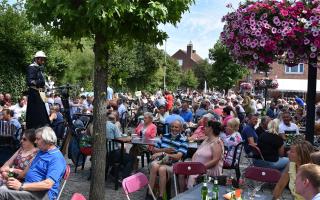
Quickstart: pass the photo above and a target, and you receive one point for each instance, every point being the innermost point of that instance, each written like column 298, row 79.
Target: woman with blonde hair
column 299, row 154
column 271, row 146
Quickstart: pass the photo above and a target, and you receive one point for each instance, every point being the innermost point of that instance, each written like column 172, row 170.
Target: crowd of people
column 217, row 122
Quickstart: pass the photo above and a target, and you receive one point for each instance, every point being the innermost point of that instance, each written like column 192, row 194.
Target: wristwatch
column 21, row 187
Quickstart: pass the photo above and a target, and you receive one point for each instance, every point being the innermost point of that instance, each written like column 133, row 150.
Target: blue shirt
column 180, row 143
column 47, row 165
column 172, row 118
column 247, row 132
column 186, row 115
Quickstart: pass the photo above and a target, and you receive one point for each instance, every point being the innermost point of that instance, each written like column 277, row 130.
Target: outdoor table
column 192, row 146
column 195, row 193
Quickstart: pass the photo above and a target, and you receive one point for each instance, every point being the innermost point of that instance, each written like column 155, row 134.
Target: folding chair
column 64, row 180
column 187, row 168
column 235, row 164
column 262, row 175
column 77, row 196
column 134, row 183
column 256, row 151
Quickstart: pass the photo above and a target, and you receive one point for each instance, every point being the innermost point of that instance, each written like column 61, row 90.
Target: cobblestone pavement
column 78, row 182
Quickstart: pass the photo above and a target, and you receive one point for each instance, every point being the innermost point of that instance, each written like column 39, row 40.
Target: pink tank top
column 205, row 153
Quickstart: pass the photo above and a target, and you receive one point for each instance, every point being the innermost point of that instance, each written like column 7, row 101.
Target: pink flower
column 306, row 41
column 284, row 12
column 313, row 55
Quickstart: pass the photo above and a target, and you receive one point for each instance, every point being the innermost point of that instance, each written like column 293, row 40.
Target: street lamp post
column 311, row 99
column 165, row 65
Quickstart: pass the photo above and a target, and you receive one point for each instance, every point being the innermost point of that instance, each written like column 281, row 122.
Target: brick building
column 292, row 80
column 187, row 59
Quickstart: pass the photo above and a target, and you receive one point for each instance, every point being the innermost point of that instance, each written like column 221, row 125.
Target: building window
column 180, row 62
column 298, row 69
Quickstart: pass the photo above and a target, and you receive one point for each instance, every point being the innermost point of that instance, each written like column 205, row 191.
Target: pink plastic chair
column 187, row 168
column 65, row 178
column 134, row 183
column 261, row 175
column 77, row 196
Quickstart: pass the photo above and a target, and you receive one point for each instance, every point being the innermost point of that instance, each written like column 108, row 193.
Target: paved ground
column 78, row 183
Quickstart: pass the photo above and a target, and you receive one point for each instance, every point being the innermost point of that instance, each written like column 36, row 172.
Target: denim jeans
column 279, row 165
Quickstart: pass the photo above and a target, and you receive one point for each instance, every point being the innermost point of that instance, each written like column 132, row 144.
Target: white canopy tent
column 294, row 85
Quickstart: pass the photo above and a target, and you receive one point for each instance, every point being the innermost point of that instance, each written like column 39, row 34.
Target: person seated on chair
column 286, row 126
column 231, row 138
column 272, row 148
column 146, row 129
column 249, row 134
column 199, row 133
column 8, row 116
column 299, row 154
column 43, row 177
column 112, row 132
column 161, row 114
column 22, row 159
column 172, row 148
column 56, row 119
column 210, row 152
column 308, row 181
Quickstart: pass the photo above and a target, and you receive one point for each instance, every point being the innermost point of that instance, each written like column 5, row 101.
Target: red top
column 169, row 99
column 151, row 130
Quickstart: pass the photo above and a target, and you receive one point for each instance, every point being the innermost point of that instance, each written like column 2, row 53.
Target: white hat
column 40, row 54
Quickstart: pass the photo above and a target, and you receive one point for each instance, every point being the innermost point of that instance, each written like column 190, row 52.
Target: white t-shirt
column 292, row 128
column 18, row 110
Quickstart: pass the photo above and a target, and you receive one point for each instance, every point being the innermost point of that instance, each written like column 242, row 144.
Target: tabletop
column 195, row 194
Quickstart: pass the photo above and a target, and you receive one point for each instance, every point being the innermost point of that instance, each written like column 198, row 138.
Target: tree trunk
column 98, row 162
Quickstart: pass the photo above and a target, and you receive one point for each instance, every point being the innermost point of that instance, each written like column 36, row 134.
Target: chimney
column 189, row 50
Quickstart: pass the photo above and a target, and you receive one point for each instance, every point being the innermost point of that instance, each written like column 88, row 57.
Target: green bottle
column 215, row 190
column 204, row 189
column 11, row 173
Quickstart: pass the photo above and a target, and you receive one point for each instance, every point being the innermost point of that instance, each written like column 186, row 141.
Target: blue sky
column 201, row 25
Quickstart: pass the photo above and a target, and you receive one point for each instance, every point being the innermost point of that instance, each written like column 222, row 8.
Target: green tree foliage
column 201, row 71
column 189, row 80
column 107, row 22
column 225, row 73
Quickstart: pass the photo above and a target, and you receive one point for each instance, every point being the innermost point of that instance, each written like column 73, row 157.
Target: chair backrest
column 189, row 168
column 7, row 129
column 256, row 151
column 64, row 180
column 266, row 175
column 134, row 183
column 77, row 196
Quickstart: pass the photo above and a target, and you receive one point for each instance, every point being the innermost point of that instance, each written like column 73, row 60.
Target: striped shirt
column 180, row 144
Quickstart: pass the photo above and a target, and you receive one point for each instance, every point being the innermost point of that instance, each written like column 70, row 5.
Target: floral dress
column 230, row 142
column 21, row 162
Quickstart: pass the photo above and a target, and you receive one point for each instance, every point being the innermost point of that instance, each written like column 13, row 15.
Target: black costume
column 36, row 115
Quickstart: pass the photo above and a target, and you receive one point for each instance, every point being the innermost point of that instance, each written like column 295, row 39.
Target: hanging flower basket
column 245, row 86
column 274, row 84
column 261, row 32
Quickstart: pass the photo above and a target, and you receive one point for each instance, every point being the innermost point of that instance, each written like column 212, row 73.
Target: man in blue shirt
column 43, row 177
column 185, row 112
column 249, row 135
column 172, row 148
